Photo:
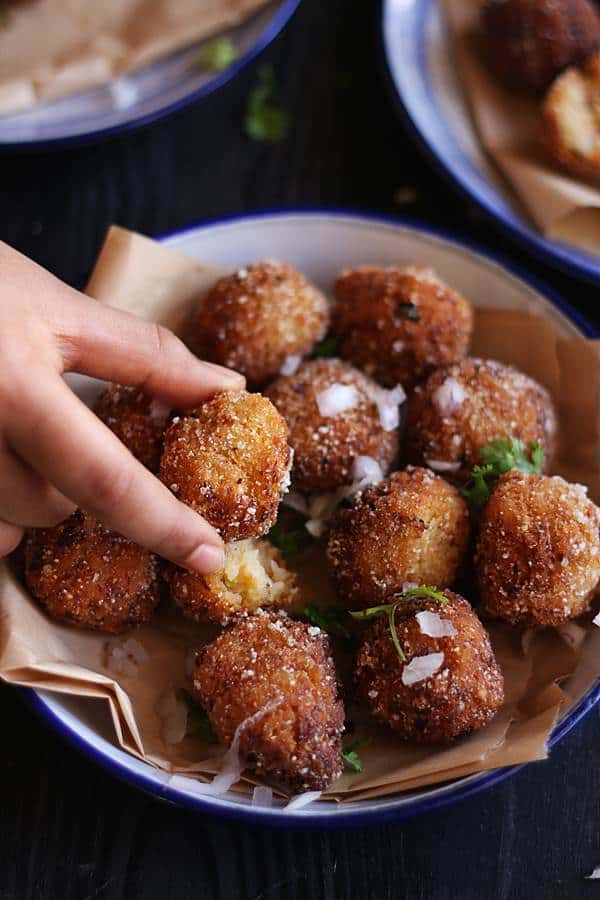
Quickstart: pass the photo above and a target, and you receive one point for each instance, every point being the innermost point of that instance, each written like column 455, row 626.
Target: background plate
column 320, row 244
column 423, row 77
column 142, row 97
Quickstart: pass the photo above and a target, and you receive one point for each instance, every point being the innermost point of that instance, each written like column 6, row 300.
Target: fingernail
column 234, row 378
column 206, row 559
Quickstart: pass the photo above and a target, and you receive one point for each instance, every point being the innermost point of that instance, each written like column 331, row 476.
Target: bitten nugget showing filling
column 461, row 409
column 412, row 527
column 538, row 550
column 254, row 320
column 87, row 575
column 272, row 682
column 333, row 418
column 399, row 324
column 448, row 685
column 254, row 575
column 230, row 461
column 528, row 42
column 138, row 420
column 571, row 121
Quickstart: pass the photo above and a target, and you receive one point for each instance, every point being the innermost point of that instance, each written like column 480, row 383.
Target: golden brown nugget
column 138, row 420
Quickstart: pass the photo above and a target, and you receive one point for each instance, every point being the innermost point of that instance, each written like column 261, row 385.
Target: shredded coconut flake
column 174, row 715
column 124, row 657
column 432, row 625
column 365, row 468
column 296, row 501
column 595, row 874
column 388, row 405
column 440, row 465
column 290, row 365
column 262, row 796
column 449, row 397
column 315, row 527
column 596, row 620
column 301, row 800
column 336, row 399
column 421, row 667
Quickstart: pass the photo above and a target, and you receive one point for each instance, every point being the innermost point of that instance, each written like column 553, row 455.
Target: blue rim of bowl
column 344, row 817
column 524, row 236
column 271, row 31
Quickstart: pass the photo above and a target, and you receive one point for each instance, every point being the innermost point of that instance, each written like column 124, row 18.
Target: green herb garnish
column 198, row 724
column 496, row 458
column 389, row 610
column 266, row 121
column 326, row 618
column 289, row 541
column 352, row 760
column 217, row 55
column 326, row 348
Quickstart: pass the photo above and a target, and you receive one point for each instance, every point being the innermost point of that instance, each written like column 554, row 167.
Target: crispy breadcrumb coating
column 399, row 324
column 254, row 575
column 528, row 42
column 253, row 320
column 462, row 408
column 230, row 461
column 463, row 693
column 538, row 550
column 87, row 575
column 283, row 668
column 325, row 447
column 137, row 419
column 571, row 121
column 412, row 527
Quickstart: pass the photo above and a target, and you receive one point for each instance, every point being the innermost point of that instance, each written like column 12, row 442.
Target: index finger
column 63, row 440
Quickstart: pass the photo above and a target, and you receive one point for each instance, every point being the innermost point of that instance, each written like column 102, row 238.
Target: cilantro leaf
column 326, row 618
column 217, row 55
column 389, row 610
column 352, row 760
column 327, row 347
column 266, row 121
column 498, row 457
column 198, row 724
column 289, row 541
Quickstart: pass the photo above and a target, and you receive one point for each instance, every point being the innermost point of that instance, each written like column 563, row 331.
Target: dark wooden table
column 67, row 830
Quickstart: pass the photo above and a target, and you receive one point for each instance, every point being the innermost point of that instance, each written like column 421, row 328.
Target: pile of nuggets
column 550, row 49
column 332, row 437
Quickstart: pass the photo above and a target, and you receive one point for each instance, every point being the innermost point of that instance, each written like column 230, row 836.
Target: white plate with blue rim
column 424, row 80
column 143, row 97
column 321, row 243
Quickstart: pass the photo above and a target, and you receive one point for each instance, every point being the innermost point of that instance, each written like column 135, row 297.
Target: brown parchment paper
column 508, row 125
column 57, row 47
column 546, row 672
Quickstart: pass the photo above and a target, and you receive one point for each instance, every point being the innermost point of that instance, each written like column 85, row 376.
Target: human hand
column 55, row 454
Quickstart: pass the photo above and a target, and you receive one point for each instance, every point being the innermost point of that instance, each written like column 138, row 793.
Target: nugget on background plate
column 137, row 419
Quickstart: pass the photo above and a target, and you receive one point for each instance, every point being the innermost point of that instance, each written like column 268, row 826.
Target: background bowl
column 145, row 96
column 320, row 244
column 424, row 80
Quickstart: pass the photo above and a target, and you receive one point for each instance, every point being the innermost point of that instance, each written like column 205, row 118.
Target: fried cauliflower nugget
column 411, row 527
column 325, row 447
column 273, row 681
column 571, row 121
column 538, row 550
column 449, row 684
column 230, row 461
column 254, row 575
column 138, row 420
column 528, row 42
column 399, row 324
column 461, row 409
column 253, row 320
column 87, row 575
